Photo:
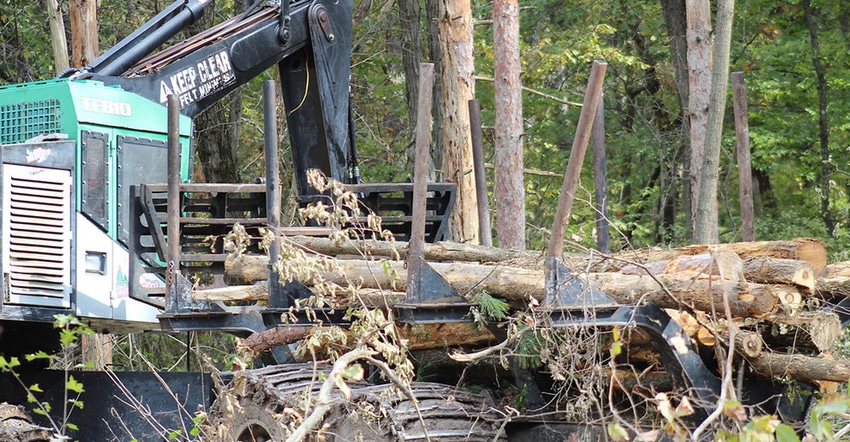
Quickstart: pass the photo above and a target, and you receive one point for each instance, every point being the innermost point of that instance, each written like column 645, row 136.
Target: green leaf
column 72, row 426
column 617, row 432
column 35, row 388
column 174, row 435
column 37, row 355
column 74, row 385
column 353, row 372
column 76, row 403
column 616, row 348
column 786, row 433
column 8, row 364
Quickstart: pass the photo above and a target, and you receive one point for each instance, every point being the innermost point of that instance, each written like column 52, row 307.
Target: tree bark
column 801, row 368
column 699, row 76
column 411, row 54
column 695, row 289
column 780, row 271
column 705, row 224
column 510, row 188
column 57, row 34
column 676, row 20
column 742, row 147
column 84, row 38
column 837, row 269
column 457, row 87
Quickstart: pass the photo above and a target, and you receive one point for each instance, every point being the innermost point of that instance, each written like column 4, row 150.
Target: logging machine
column 99, row 218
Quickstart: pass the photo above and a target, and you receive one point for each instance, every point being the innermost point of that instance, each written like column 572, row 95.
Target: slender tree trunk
column 510, row 189
column 699, row 77
column 435, row 9
column 823, row 120
column 84, row 39
column 705, row 224
column 57, row 34
column 742, row 146
column 411, row 54
column 456, row 69
column 676, row 20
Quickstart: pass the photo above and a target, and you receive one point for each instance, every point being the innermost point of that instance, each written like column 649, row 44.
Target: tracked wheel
column 266, row 404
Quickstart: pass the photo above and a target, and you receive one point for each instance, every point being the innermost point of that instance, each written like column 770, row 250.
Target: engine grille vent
column 36, row 221
column 23, row 121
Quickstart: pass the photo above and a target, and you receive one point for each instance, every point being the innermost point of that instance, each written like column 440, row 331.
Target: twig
column 472, row 357
column 535, row 92
column 323, row 400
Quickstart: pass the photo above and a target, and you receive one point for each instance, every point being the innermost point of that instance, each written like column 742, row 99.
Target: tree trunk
column 699, row 76
column 84, row 39
column 411, row 54
column 510, row 188
column 742, row 148
column 676, row 20
column 705, row 224
column 823, row 120
column 435, row 10
column 218, row 129
column 458, row 85
column 57, row 34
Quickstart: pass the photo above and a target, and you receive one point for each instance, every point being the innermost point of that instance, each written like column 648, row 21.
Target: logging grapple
column 99, row 220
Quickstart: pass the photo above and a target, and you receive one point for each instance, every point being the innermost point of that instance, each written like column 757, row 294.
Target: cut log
column 274, row 337
column 726, row 265
column 833, row 286
column 799, row 367
column 815, row 330
column 439, row 251
column 780, row 271
column 810, row 250
column 838, row 269
column 699, row 291
column 418, row 336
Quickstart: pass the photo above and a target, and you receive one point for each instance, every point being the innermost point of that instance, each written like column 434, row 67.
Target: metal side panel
column 36, row 246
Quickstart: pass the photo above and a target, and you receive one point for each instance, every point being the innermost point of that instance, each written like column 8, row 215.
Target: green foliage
column 490, row 308
column 70, row 332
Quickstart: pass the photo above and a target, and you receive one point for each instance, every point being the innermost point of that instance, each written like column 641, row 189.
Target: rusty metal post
column 429, row 298
column 582, row 137
column 421, row 159
column 485, row 232
column 174, row 208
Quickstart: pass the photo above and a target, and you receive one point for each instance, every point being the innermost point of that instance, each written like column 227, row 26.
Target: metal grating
column 24, row 121
column 36, row 224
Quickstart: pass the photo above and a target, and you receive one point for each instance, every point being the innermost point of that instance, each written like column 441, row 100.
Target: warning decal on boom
column 193, row 83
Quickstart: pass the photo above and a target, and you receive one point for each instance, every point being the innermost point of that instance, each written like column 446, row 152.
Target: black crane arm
column 311, row 43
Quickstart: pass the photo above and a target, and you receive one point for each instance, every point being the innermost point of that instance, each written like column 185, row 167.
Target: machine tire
column 258, row 406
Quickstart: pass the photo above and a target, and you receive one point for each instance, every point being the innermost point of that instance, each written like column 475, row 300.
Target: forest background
column 794, row 54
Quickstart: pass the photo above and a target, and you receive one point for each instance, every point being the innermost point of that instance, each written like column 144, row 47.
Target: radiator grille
column 36, row 222
column 23, row 121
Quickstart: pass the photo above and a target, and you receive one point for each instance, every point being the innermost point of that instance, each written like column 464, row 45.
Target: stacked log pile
column 774, row 290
